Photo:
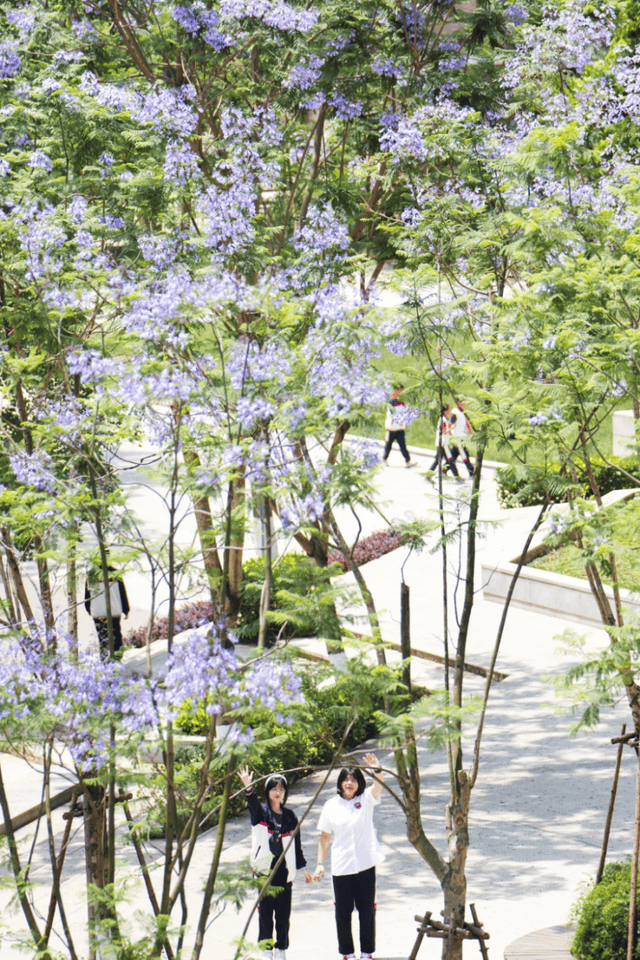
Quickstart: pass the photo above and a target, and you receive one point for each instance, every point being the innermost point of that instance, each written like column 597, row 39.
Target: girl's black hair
column 270, row 783
column 355, row 772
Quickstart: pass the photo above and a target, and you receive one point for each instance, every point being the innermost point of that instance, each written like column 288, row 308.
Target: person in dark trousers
column 347, row 819
column 272, row 825
column 96, row 607
column 443, row 452
column 460, row 428
column 395, row 427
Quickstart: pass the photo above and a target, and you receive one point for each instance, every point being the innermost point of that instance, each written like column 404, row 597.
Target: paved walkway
column 538, row 808
column 552, row 943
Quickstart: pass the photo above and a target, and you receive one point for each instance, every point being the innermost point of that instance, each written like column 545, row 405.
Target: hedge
column 602, row 917
column 525, row 486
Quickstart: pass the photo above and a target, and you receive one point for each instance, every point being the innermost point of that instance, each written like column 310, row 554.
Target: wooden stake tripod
column 444, row 931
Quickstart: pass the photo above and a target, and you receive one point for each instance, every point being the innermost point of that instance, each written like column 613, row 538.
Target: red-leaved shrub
column 370, row 548
column 186, row 618
column 201, row 611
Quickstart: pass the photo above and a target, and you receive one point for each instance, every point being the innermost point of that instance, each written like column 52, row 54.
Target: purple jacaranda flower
column 302, row 76
column 33, row 470
column 344, row 108
column 23, row 20
column 39, row 160
column 10, row 62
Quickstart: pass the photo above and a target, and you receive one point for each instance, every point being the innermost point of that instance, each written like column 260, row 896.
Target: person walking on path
column 272, row 825
column 395, row 425
column 96, row 606
column 442, row 445
column 460, row 428
column 347, row 819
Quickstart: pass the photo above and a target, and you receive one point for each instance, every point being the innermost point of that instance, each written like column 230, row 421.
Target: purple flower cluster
column 283, row 16
column 33, row 470
column 10, row 62
column 565, row 40
column 23, row 20
column 302, row 76
column 81, row 695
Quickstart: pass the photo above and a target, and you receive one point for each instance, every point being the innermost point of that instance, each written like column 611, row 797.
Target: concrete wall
column 623, row 432
column 549, row 593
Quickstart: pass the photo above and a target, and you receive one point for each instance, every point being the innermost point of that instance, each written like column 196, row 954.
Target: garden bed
column 196, row 614
column 553, row 594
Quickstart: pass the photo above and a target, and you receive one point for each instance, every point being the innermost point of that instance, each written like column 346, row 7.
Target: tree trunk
column 454, row 884
column 95, row 843
column 72, row 595
column 234, row 544
column 206, row 533
column 16, row 576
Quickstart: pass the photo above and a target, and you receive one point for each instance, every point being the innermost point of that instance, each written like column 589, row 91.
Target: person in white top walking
column 395, row 426
column 460, row 428
column 347, row 819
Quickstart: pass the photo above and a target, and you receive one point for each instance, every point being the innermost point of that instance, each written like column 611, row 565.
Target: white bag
column 98, row 603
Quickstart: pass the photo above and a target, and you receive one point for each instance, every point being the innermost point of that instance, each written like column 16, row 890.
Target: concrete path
column 537, row 811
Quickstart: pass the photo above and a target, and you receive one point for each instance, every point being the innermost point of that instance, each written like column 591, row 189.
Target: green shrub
column 310, row 740
column 302, row 599
column 522, row 485
column 602, row 917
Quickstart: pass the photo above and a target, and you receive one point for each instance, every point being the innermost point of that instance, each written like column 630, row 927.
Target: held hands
column 246, row 776
column 308, row 878
column 319, row 873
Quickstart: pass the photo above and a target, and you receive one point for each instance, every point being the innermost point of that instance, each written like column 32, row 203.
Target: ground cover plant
column 368, row 548
column 539, row 483
column 307, row 740
column 620, row 538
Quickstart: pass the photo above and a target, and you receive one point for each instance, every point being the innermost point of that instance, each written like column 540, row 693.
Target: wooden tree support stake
column 442, row 930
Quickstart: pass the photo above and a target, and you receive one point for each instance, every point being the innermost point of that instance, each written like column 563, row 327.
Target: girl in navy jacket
column 272, row 824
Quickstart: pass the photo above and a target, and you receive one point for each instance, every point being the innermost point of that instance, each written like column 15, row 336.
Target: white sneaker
column 411, row 463
column 350, row 956
column 279, row 954
column 366, row 956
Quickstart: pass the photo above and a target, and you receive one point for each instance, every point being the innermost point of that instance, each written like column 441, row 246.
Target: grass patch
column 617, row 534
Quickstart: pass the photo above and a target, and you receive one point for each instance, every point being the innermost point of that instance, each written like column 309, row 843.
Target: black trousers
column 278, row 908
column 103, row 635
column 456, row 450
column 359, row 890
column 398, row 436
column 449, row 463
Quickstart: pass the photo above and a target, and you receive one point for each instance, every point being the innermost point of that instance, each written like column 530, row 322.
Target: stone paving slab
column 552, row 943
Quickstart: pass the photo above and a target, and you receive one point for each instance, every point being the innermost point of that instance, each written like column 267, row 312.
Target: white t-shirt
column 459, row 427
column 354, row 844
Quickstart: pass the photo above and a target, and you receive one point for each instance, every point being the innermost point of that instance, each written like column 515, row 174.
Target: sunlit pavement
column 539, row 806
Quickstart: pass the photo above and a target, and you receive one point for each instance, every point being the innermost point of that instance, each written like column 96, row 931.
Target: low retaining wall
column 551, row 593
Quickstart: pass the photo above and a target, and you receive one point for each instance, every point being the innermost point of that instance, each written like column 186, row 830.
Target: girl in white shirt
column 347, row 819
